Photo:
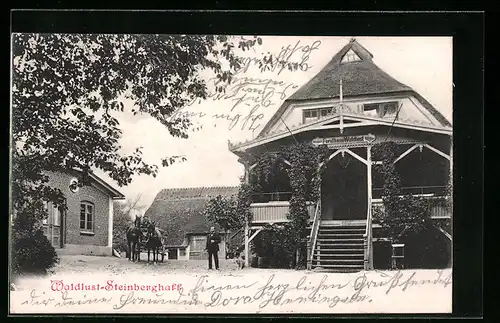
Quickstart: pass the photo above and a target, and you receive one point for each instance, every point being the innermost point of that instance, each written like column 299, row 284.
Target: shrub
column 262, row 245
column 283, row 247
column 32, row 252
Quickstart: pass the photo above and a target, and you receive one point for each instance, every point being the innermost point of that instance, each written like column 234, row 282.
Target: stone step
column 338, row 263
column 339, row 255
column 339, row 243
column 337, row 234
column 342, row 229
column 360, row 267
column 329, row 238
column 341, row 247
column 340, row 250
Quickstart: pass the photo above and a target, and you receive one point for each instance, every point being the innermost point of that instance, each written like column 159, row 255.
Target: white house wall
column 411, row 109
column 186, row 256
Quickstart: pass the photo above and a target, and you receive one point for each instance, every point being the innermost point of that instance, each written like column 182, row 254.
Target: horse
column 154, row 242
column 134, row 234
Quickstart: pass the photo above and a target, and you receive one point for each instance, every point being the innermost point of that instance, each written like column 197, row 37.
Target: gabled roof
column 359, row 78
column 97, row 181
column 179, row 211
column 114, row 193
column 361, row 121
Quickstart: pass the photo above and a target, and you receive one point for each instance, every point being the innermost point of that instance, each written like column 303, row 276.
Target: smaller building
column 86, row 227
column 179, row 212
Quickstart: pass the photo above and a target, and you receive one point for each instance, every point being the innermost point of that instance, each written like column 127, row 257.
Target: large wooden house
column 351, row 105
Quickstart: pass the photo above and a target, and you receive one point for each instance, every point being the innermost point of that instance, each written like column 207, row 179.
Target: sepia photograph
column 230, row 174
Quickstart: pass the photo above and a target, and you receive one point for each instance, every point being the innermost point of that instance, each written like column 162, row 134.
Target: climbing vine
column 402, row 213
column 244, row 200
column 304, row 164
column 305, row 181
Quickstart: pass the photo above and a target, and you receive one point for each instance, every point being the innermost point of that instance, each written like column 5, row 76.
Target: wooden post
column 247, row 225
column 369, row 191
column 309, row 262
column 247, row 244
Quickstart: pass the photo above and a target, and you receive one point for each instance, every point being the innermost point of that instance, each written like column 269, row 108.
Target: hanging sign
column 332, row 141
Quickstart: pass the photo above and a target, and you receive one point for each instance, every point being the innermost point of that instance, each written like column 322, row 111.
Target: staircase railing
column 368, row 242
column 311, row 244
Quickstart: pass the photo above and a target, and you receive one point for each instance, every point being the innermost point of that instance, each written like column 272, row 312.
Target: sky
column 423, row 63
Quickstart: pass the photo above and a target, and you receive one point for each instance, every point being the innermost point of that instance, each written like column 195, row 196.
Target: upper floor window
column 380, row 109
column 87, row 219
column 350, row 56
column 310, row 115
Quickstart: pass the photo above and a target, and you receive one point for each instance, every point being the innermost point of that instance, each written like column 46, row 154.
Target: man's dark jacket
column 213, row 247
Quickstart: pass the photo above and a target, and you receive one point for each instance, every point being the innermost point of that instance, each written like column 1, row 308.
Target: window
column 380, row 109
column 87, row 217
column 326, row 112
column 371, row 109
column 311, row 115
column 389, row 108
column 350, row 57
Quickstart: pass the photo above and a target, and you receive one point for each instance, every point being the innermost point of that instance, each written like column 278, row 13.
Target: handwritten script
column 220, row 294
column 294, row 56
column 248, row 97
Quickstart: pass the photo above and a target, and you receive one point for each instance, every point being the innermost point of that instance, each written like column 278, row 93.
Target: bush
column 262, row 245
column 427, row 249
column 283, row 248
column 32, row 252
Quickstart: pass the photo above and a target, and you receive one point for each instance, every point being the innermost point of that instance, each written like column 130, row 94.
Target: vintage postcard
column 193, row 174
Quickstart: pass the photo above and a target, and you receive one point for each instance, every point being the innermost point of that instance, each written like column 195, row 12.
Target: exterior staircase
column 339, row 248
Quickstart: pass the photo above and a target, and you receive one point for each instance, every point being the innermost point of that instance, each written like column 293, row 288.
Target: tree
column 223, row 212
column 68, row 88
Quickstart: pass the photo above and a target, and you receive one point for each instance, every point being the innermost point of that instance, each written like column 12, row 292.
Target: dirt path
column 121, row 266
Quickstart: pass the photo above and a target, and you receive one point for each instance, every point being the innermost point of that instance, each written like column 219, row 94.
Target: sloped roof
column 179, row 211
column 359, row 78
column 96, row 180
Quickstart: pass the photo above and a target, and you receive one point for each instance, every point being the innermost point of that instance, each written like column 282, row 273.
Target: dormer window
column 350, row 56
column 311, row 115
column 371, row 110
column 384, row 109
column 389, row 108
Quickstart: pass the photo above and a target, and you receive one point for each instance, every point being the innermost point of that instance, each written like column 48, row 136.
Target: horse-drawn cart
column 143, row 240
column 148, row 238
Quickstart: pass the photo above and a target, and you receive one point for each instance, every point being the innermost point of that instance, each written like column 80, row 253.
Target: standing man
column 212, row 247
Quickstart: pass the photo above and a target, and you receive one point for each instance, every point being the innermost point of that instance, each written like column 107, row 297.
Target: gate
column 197, row 248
